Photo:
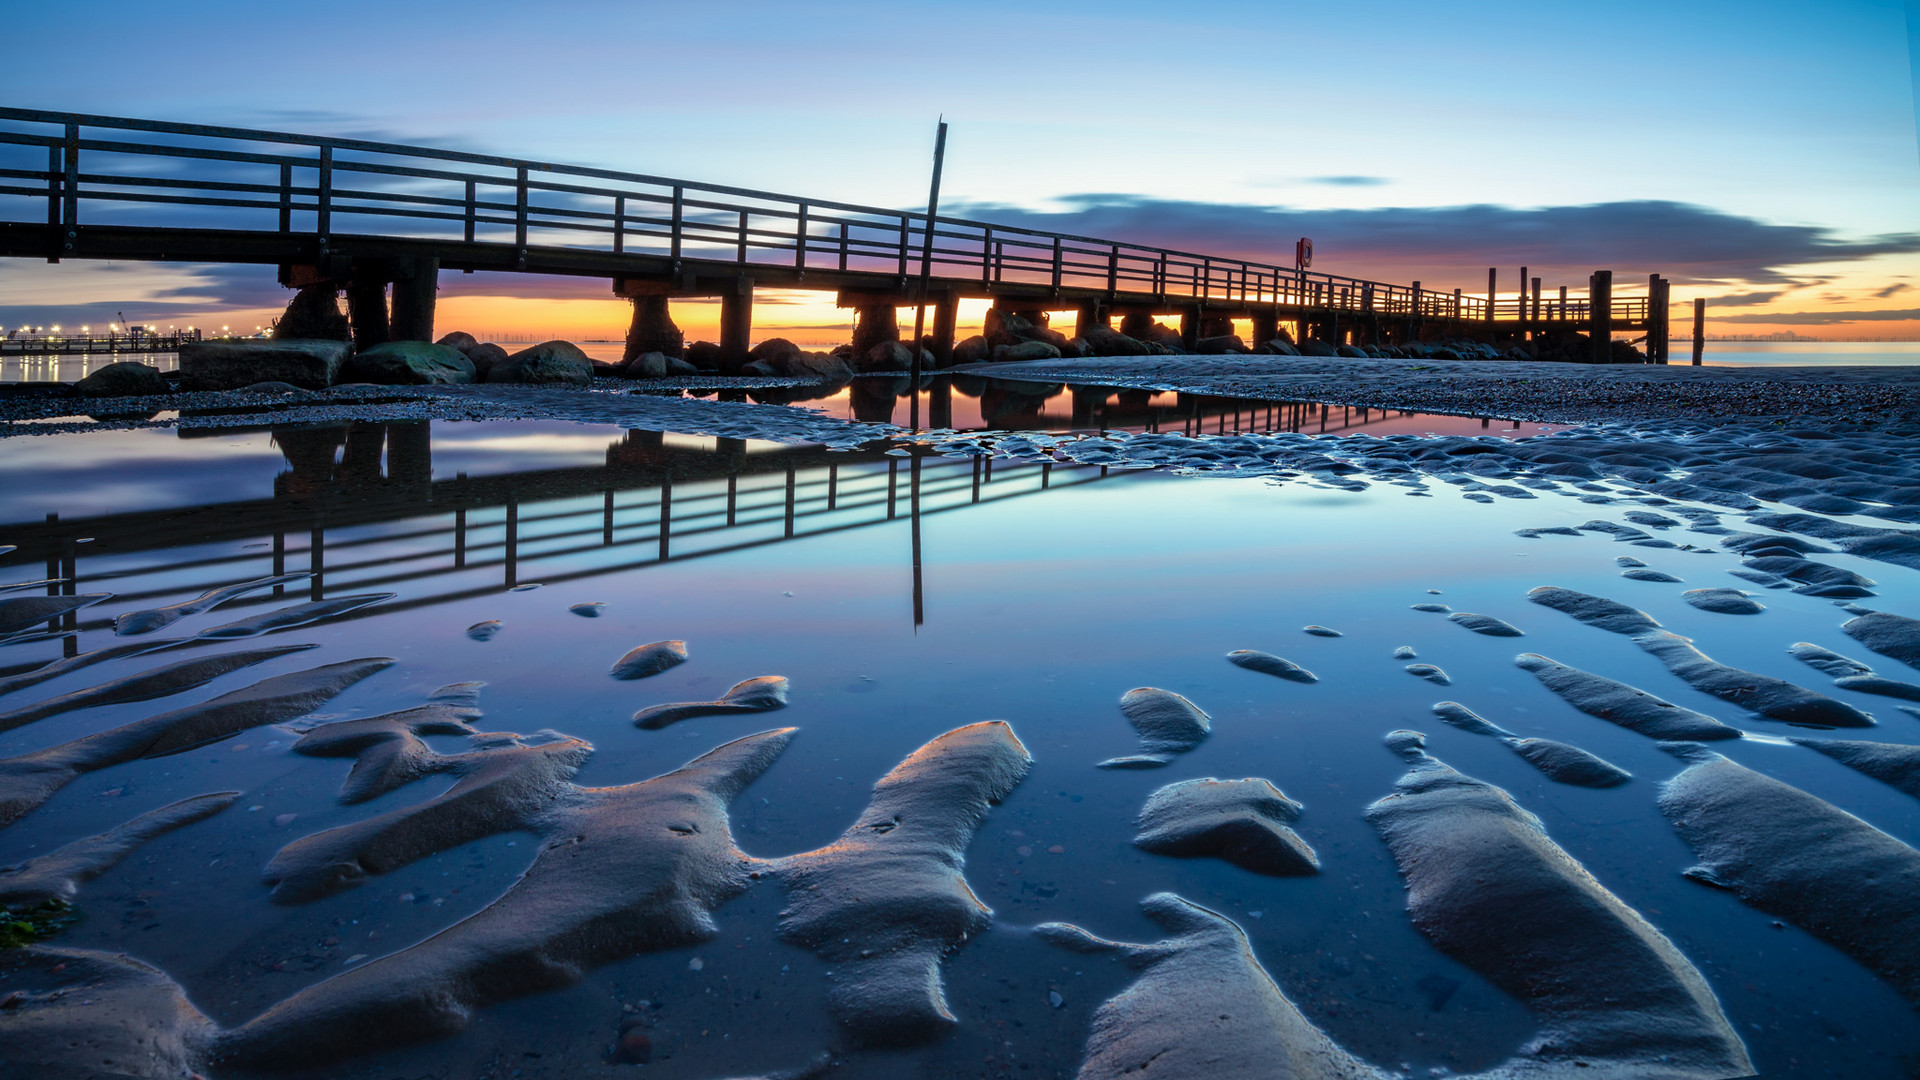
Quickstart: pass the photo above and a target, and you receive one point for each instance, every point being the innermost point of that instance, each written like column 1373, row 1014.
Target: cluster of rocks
column 315, row 364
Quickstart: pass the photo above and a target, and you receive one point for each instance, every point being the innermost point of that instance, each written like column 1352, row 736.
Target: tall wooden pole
column 1699, row 328
column 1520, row 306
column 926, row 276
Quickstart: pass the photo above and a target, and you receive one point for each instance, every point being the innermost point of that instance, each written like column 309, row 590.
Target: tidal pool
column 902, row 594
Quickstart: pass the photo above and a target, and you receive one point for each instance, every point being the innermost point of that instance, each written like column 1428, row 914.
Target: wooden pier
column 369, row 217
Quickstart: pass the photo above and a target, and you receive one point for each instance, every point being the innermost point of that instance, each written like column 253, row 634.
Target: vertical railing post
column 53, row 203
column 679, row 218
column 286, row 198
column 800, row 242
column 70, row 188
column 323, row 213
column 520, row 215
column 740, row 251
column 1699, row 329
column 1056, row 265
column 1113, row 269
column 473, row 209
column 986, row 255
column 903, row 245
column 843, row 245
column 619, row 224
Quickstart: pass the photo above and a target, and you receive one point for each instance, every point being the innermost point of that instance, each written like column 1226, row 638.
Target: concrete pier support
column 874, row 322
column 1092, row 314
column 314, row 314
column 653, row 329
column 946, row 317
column 367, row 306
column 416, row 284
column 736, row 324
column 1190, row 329
column 1265, row 329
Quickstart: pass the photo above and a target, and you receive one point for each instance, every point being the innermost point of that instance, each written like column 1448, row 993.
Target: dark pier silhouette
column 381, row 221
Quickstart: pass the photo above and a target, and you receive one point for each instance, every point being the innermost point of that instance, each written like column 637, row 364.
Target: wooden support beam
column 415, row 289
column 1493, row 277
column 367, row 305
column 736, row 324
column 1600, row 314
column 946, row 317
column 1699, row 328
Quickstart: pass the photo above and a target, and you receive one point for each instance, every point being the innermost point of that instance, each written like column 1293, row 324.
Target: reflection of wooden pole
column 1699, row 328
column 919, row 605
column 513, row 543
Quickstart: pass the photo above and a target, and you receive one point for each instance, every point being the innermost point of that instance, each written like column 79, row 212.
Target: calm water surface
column 1042, row 593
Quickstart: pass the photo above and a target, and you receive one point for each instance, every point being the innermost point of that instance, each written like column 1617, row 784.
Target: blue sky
column 1789, row 116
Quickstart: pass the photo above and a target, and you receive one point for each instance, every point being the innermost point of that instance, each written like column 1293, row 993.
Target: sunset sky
column 1761, row 154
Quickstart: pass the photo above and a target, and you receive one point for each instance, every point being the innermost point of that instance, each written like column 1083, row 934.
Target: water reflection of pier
column 360, row 509
column 967, row 402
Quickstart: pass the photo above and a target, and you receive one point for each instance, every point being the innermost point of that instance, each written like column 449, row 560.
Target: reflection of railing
column 650, row 504
column 82, row 172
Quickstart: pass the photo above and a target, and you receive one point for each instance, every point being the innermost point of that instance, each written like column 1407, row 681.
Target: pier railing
column 74, row 172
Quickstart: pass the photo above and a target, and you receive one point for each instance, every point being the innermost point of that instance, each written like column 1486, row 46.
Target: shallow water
column 904, row 597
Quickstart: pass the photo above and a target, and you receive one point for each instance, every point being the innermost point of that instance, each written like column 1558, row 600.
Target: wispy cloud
column 1349, row 181
column 1685, row 242
column 1896, row 287
column 1743, row 299
column 1822, row 318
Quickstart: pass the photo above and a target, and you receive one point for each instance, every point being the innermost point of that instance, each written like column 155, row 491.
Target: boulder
column 227, row 365
column 679, row 367
column 973, row 350
column 409, row 363
column 775, row 351
column 459, row 339
column 1026, row 350
column 817, row 365
column 547, row 362
column 760, row 368
column 650, row 365
column 603, row 369
column 1165, row 336
column 1624, row 353
column 1221, row 345
column 485, row 356
column 1075, row 348
column 1276, row 347
column 1350, row 351
column 124, row 379
column 1106, row 341
column 1313, row 347
column 314, row 315
column 887, row 356
column 704, row 355
column 1008, row 328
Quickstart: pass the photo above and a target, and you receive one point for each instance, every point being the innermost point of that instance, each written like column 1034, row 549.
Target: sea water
column 903, row 598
